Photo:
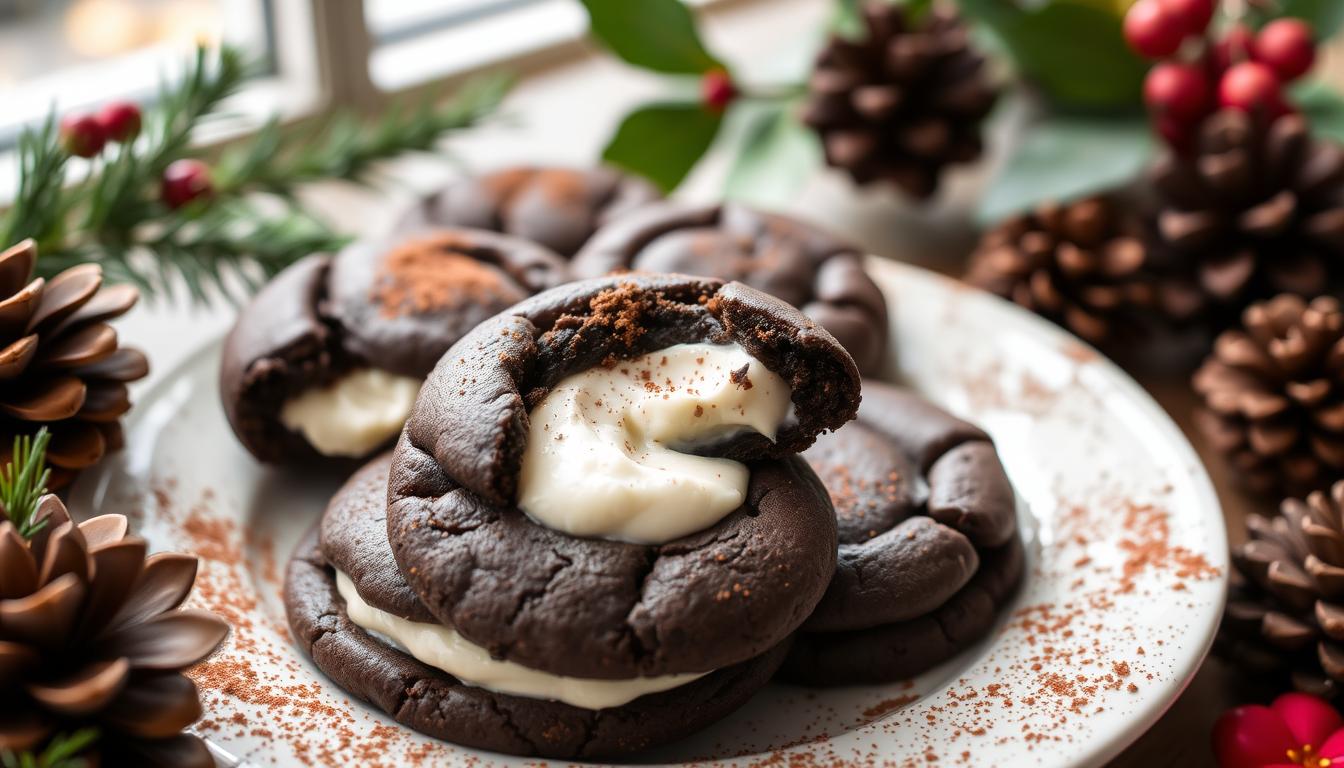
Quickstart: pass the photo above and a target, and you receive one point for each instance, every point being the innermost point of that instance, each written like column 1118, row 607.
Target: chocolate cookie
column 393, row 307
column 559, row 208
column 433, row 702
column 806, row 267
column 610, row 609
column 928, row 545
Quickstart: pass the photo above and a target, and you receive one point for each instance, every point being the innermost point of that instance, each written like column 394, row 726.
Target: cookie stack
column 618, row 506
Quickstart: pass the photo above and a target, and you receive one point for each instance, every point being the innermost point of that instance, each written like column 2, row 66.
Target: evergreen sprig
column 113, row 214
column 24, row 480
column 63, row 751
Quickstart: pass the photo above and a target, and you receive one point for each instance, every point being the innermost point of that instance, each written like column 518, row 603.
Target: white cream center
column 603, row 456
column 442, row 648
column 354, row 414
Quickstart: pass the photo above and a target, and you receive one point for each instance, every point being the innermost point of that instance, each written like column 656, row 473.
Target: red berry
column 82, row 135
column 717, row 90
column 185, row 181
column 1191, row 16
column 1252, row 87
column 1150, row 30
column 1177, row 133
column 120, row 121
column 1287, row 46
column 1235, row 47
column 1178, row 91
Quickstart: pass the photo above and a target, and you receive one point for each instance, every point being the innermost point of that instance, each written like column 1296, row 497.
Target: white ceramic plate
column 1127, row 569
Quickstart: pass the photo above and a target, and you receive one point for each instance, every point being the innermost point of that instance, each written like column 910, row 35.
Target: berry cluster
column 85, row 135
column 1199, row 73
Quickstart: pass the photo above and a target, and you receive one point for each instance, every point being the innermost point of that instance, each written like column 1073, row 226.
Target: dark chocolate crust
column 917, row 492
column 560, row 208
column 353, row 538
column 607, row 609
column 325, row 315
column 904, row 649
column 435, row 703
column 817, row 272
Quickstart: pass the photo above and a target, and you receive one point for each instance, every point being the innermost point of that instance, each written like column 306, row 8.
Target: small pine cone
column 1273, row 395
column 1080, row 265
column 1287, row 613
column 91, row 635
column 1254, row 211
column 60, row 361
column 901, row 103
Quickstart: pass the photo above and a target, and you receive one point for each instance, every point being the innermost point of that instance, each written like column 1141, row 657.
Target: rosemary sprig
column 63, row 751
column 24, row 480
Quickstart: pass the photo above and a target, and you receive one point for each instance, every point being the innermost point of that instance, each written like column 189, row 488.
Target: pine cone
column 1080, row 265
column 1253, row 212
column 60, row 363
column 1287, row 614
column 901, row 103
column 91, row 636
column 1273, row 395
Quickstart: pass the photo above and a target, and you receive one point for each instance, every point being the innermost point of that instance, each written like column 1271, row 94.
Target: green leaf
column 776, row 159
column 654, row 34
column 1327, row 16
column 662, row 142
column 1073, row 49
column 1064, row 157
column 1323, row 107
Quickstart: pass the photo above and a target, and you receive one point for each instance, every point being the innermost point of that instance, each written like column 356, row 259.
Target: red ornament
column 1191, row 16
column 82, row 135
column 717, row 90
column 120, row 121
column 1235, row 47
column 1252, row 87
column 185, row 181
column 1296, row 730
column 1179, row 91
column 1150, row 30
column 1286, row 46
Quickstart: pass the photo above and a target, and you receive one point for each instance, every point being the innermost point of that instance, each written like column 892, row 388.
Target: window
column 78, row 53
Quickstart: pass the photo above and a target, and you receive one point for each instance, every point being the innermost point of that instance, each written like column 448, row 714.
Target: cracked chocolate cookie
column 928, row 545
column 820, row 274
column 327, row 359
column 434, row 702
column 601, row 482
column 559, row 208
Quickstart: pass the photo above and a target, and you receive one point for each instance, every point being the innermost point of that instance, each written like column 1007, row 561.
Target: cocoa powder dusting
column 430, row 274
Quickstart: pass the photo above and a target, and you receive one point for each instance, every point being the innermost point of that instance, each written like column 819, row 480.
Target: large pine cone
column 1080, row 265
column 1253, row 212
column 91, row 636
column 60, row 363
column 1273, row 395
column 1287, row 614
column 903, row 102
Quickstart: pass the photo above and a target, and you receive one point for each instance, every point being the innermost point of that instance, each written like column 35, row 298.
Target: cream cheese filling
column 354, row 414
column 442, row 648
column 604, row 448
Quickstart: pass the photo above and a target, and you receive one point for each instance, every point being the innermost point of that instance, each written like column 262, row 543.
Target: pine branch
column 346, row 149
column 63, row 751
column 24, row 480
column 114, row 215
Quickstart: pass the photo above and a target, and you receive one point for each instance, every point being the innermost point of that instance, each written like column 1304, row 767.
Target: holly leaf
column 1073, row 49
column 663, row 142
column 1326, row 16
column 1323, row 107
column 777, row 157
column 654, row 34
column 1065, row 157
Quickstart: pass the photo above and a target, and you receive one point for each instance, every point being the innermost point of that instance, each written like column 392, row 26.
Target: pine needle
column 63, row 751
column 24, row 480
